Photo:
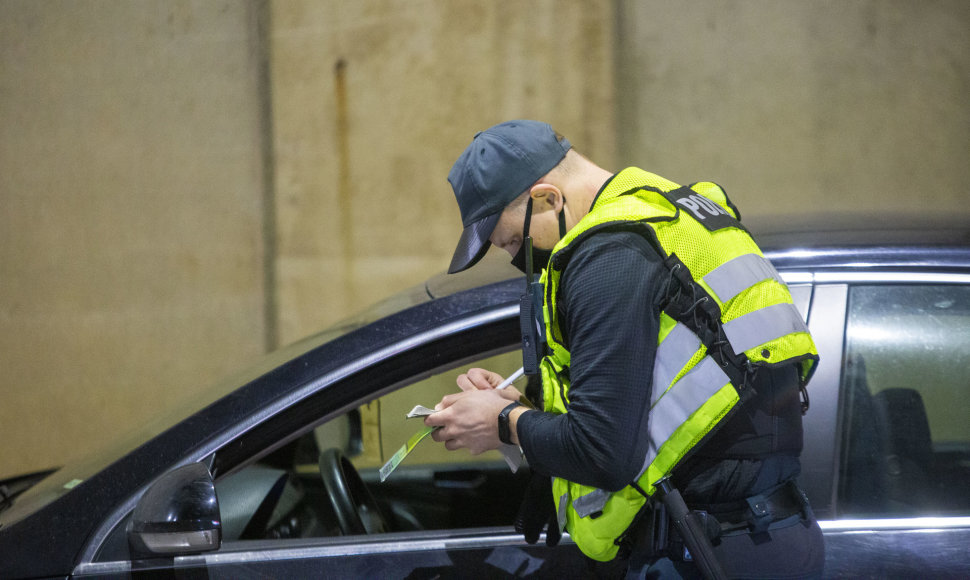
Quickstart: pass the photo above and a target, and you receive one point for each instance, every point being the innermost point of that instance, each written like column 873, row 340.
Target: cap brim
column 473, row 244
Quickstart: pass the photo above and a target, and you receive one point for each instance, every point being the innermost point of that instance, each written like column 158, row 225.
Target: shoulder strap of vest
column 688, row 303
column 606, row 196
column 560, row 258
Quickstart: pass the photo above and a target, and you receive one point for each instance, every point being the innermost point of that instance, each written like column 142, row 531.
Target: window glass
column 386, row 428
column 303, row 489
column 906, row 402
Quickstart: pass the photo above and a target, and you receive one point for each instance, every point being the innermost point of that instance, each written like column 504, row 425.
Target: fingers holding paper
column 477, row 378
column 481, row 379
column 469, row 419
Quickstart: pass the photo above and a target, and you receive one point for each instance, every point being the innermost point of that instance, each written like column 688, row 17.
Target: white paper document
column 511, row 453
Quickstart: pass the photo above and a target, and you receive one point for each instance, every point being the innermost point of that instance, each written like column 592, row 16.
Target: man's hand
column 483, row 379
column 469, row 419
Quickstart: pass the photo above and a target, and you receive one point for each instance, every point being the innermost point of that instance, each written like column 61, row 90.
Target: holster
column 656, row 537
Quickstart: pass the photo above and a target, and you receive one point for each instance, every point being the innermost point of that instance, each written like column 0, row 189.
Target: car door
column 889, row 457
column 446, row 513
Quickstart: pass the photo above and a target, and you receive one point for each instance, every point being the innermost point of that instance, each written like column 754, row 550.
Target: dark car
column 276, row 473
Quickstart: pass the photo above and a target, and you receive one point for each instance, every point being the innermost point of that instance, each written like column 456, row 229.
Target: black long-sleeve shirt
column 609, row 313
column 609, row 308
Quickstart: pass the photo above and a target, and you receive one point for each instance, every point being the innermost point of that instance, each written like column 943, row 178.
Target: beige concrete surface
column 186, row 184
column 372, row 103
column 131, row 261
column 839, row 110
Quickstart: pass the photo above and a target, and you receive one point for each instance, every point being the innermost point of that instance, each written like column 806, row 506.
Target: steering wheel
column 356, row 508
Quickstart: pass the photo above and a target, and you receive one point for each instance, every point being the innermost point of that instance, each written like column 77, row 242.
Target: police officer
column 673, row 349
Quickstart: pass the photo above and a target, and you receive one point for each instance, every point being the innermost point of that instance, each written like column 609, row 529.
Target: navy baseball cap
column 501, row 163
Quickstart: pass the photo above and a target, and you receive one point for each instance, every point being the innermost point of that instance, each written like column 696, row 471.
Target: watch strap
column 504, row 432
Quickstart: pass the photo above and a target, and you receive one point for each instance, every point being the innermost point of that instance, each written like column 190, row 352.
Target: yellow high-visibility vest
column 728, row 313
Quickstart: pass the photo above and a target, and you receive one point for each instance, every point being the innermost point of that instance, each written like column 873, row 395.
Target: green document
column 406, row 449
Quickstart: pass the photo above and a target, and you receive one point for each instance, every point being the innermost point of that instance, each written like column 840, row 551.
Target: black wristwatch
column 504, row 435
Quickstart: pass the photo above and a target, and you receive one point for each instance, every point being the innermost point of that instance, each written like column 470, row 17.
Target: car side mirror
column 178, row 514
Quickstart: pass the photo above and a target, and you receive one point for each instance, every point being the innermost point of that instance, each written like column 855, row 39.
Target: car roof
column 860, row 231
column 842, row 243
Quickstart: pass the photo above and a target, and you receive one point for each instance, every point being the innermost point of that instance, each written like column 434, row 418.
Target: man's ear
column 546, row 196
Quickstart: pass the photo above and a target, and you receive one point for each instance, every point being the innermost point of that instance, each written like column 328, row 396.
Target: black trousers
column 790, row 548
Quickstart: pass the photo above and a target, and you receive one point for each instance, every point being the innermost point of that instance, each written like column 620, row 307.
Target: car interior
column 326, row 482
column 906, row 439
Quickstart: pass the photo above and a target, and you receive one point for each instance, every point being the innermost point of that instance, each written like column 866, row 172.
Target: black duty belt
column 652, row 535
column 758, row 511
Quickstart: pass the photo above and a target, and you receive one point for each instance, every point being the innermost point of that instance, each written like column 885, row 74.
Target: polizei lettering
column 701, row 207
column 710, row 214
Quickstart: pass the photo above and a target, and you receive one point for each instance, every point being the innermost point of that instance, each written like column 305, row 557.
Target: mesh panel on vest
column 627, row 180
column 688, row 233
column 763, row 294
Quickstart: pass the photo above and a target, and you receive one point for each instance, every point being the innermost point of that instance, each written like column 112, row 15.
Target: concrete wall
column 131, row 220
column 839, row 110
column 372, row 103
column 184, row 185
column 167, row 214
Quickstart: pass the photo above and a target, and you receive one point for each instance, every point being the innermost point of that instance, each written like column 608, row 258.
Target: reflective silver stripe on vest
column 591, row 503
column 736, row 275
column 673, row 354
column 763, row 325
column 680, row 402
column 561, row 511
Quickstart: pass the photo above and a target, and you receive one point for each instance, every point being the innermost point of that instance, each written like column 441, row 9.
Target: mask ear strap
column 527, row 241
column 528, row 219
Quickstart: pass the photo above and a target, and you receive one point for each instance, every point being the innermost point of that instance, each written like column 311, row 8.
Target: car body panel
column 924, row 547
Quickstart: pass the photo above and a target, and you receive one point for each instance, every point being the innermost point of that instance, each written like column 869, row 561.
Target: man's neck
column 592, row 180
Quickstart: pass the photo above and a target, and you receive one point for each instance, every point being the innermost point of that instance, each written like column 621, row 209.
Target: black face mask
column 540, row 258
